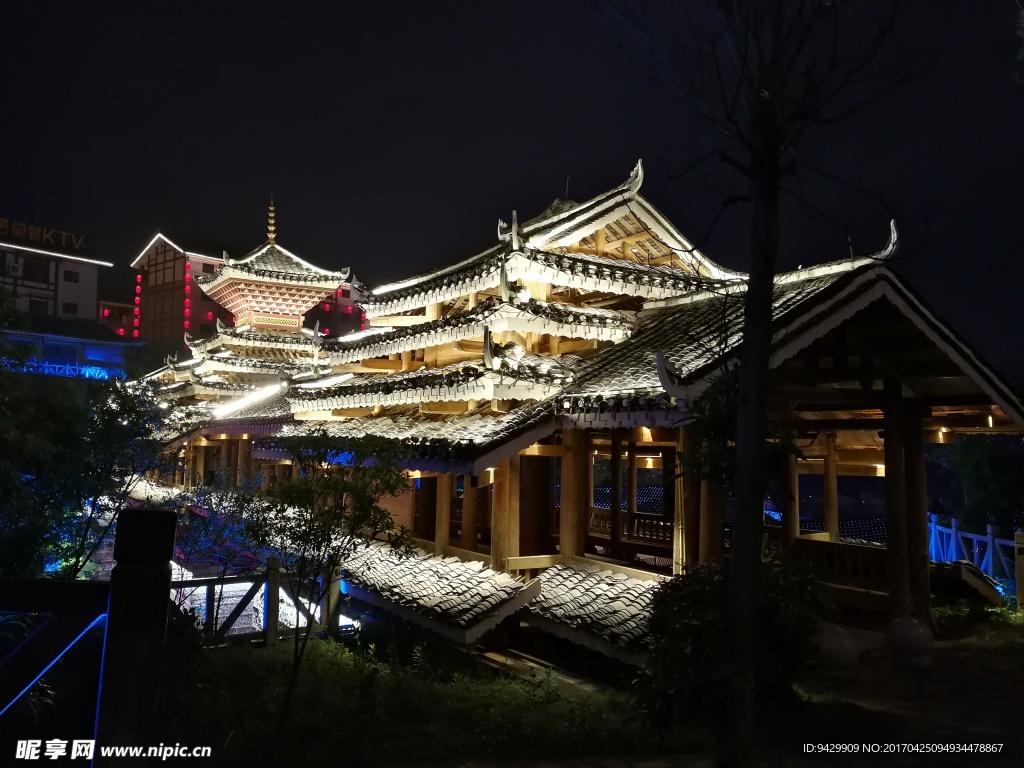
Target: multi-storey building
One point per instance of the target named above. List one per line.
(46, 282)
(542, 389)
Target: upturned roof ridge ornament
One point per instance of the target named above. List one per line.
(271, 221)
(171, 360)
(892, 246)
(492, 353)
(511, 234)
(636, 178)
(221, 328)
(670, 380)
(509, 292)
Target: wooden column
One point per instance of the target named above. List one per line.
(443, 512)
(691, 503)
(535, 511)
(426, 508)
(615, 498)
(240, 462)
(505, 514)
(407, 360)
(572, 519)
(470, 495)
(199, 478)
(630, 489)
(674, 491)
(710, 524)
(917, 511)
(831, 488)
(895, 502)
(791, 501)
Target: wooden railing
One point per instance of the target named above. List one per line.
(852, 565)
(643, 529)
(246, 608)
(993, 557)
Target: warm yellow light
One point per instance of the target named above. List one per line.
(990, 421)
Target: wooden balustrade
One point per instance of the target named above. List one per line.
(853, 565)
(645, 529)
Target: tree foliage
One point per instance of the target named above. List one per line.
(313, 521)
(991, 471)
(71, 451)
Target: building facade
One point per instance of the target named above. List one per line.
(542, 388)
(50, 283)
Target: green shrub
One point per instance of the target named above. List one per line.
(689, 675)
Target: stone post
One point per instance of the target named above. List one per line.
(140, 586)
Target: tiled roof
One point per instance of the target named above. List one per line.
(250, 338)
(453, 591)
(532, 377)
(442, 438)
(272, 262)
(527, 316)
(610, 605)
(690, 334)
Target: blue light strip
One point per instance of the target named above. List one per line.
(101, 619)
(69, 370)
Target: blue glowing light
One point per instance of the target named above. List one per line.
(69, 370)
(99, 620)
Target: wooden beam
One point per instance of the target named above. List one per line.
(543, 450)
(466, 345)
(443, 407)
(398, 321)
(843, 470)
(443, 516)
(352, 413)
(501, 406)
(370, 365)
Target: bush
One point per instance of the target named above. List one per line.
(689, 675)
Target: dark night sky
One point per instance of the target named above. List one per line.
(393, 135)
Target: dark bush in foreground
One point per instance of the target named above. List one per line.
(689, 676)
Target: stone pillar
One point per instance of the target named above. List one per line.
(917, 511)
(443, 512)
(470, 495)
(791, 501)
(831, 488)
(895, 502)
(136, 624)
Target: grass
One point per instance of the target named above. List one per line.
(355, 706)
(970, 620)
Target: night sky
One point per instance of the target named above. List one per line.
(394, 135)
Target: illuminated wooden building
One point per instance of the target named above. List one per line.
(542, 388)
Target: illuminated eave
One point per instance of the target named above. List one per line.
(159, 236)
(54, 254)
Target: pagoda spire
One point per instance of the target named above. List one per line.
(271, 225)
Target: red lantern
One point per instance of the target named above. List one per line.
(188, 265)
(188, 278)
(135, 334)
(327, 331)
(188, 289)
(188, 312)
(138, 300)
(138, 278)
(106, 313)
(188, 302)
(186, 323)
(327, 307)
(135, 322)
(136, 310)
(348, 309)
(138, 289)
(120, 331)
(209, 315)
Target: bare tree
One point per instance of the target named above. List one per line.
(760, 74)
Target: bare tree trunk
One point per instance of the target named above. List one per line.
(751, 421)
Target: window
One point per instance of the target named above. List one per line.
(69, 308)
(70, 276)
(345, 293)
(36, 270)
(38, 307)
(209, 269)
